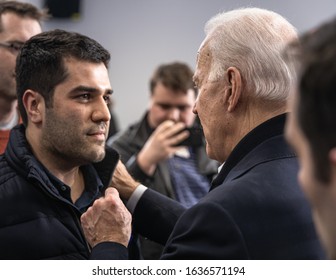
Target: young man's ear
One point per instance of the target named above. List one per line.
(235, 85)
(34, 105)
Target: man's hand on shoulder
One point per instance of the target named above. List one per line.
(123, 181)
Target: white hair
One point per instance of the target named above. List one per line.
(252, 40)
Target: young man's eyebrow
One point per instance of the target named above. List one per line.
(89, 89)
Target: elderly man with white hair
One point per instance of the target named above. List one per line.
(255, 208)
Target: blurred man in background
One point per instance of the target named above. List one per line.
(311, 127)
(18, 22)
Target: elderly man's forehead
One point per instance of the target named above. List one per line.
(203, 54)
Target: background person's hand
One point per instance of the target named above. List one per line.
(161, 145)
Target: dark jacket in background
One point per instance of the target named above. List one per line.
(36, 222)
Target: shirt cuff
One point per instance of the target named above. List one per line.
(135, 197)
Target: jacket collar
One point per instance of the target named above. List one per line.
(265, 131)
(106, 167)
(20, 156)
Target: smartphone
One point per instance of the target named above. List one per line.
(195, 138)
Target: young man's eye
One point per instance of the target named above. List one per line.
(107, 99)
(85, 96)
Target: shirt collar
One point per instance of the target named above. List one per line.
(92, 188)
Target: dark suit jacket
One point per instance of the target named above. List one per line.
(255, 210)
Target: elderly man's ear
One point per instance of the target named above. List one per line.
(233, 91)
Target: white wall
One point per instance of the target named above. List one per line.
(140, 34)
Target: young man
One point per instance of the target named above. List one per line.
(311, 127)
(52, 168)
(18, 22)
(148, 147)
(255, 208)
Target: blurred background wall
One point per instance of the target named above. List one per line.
(140, 34)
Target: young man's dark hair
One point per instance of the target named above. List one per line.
(41, 65)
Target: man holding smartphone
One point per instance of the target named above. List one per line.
(160, 152)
